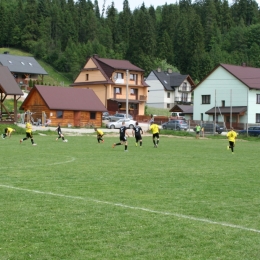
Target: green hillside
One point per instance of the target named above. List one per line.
(53, 78)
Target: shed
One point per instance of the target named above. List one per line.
(66, 106)
(8, 87)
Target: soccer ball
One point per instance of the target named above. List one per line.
(65, 140)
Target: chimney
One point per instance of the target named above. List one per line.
(169, 70)
(243, 64)
(159, 70)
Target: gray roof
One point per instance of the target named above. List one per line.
(227, 110)
(8, 84)
(187, 109)
(170, 80)
(66, 98)
(22, 64)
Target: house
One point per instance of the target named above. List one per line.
(168, 88)
(229, 94)
(66, 106)
(118, 84)
(23, 68)
(8, 88)
(187, 110)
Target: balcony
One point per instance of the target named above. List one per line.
(142, 98)
(184, 89)
(183, 101)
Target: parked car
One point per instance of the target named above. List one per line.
(105, 116)
(209, 128)
(175, 125)
(118, 116)
(129, 123)
(252, 131)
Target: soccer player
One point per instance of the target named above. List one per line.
(28, 133)
(100, 135)
(58, 129)
(8, 132)
(155, 131)
(198, 128)
(122, 136)
(231, 135)
(137, 130)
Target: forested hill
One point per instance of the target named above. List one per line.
(191, 36)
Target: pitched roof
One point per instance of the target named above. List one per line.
(117, 64)
(187, 109)
(8, 84)
(22, 64)
(65, 98)
(227, 110)
(170, 80)
(247, 75)
(108, 66)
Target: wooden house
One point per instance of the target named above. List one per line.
(8, 88)
(66, 106)
(119, 84)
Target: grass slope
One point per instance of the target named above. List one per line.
(53, 78)
(187, 199)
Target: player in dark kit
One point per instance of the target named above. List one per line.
(137, 131)
(58, 129)
(122, 137)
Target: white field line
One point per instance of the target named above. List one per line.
(137, 208)
(71, 159)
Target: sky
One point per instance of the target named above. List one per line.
(137, 3)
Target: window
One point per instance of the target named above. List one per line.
(184, 87)
(168, 94)
(168, 105)
(257, 98)
(132, 91)
(257, 118)
(10, 61)
(59, 114)
(205, 99)
(117, 90)
(119, 75)
(184, 97)
(92, 115)
(86, 77)
(30, 63)
(133, 77)
(22, 62)
(223, 103)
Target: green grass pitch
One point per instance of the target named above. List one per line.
(187, 199)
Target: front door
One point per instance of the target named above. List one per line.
(77, 118)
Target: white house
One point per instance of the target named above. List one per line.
(228, 91)
(168, 88)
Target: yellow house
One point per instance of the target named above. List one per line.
(116, 83)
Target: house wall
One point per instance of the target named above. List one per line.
(253, 107)
(107, 91)
(156, 94)
(221, 86)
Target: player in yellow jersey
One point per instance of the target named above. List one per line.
(231, 135)
(100, 135)
(155, 131)
(8, 132)
(28, 134)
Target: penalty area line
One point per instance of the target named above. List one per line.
(137, 208)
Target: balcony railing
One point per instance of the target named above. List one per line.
(183, 100)
(184, 89)
(143, 98)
